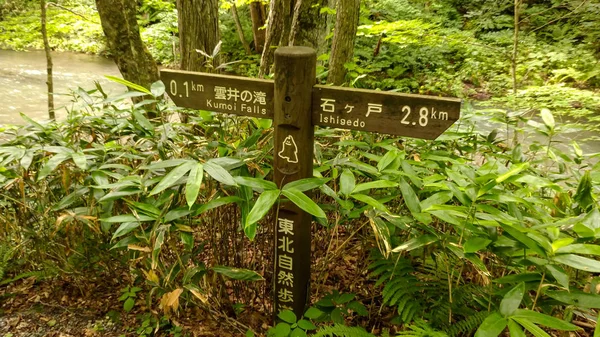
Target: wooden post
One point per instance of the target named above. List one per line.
(295, 75)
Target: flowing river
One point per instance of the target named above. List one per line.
(23, 82)
(23, 90)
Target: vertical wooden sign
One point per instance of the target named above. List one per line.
(295, 75)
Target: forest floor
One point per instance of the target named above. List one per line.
(91, 307)
(59, 309)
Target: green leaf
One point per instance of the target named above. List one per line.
(524, 239)
(128, 218)
(263, 204)
(410, 197)
(143, 121)
(52, 164)
(415, 243)
(125, 228)
(306, 184)
(559, 274)
(579, 262)
(192, 187)
(534, 329)
(217, 203)
(304, 202)
(287, 316)
(298, 332)
(476, 244)
(256, 184)
(172, 177)
(492, 326)
(374, 184)
(387, 160)
(238, 273)
(579, 248)
(128, 305)
(545, 320)
(79, 160)
(164, 164)
(219, 173)
(313, 313)
(512, 299)
(514, 170)
(576, 298)
(157, 88)
(515, 329)
(347, 182)
(370, 201)
(70, 199)
(548, 118)
(306, 325)
(129, 84)
(282, 330)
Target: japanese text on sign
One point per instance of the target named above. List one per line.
(285, 262)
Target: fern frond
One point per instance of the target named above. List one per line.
(467, 326)
(421, 329)
(339, 330)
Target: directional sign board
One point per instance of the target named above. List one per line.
(220, 93)
(406, 115)
(296, 105)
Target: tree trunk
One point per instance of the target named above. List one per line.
(120, 26)
(515, 46)
(49, 80)
(240, 30)
(309, 27)
(258, 21)
(273, 37)
(342, 47)
(198, 29)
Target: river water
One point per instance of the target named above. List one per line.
(23, 89)
(23, 82)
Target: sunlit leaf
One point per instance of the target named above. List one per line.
(492, 326)
(192, 187)
(512, 300)
(304, 202)
(172, 177)
(238, 273)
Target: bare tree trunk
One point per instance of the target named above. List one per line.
(515, 46)
(119, 22)
(514, 63)
(258, 21)
(49, 80)
(309, 26)
(273, 37)
(238, 26)
(198, 29)
(342, 47)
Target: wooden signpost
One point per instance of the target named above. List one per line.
(296, 105)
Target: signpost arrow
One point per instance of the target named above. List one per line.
(296, 105)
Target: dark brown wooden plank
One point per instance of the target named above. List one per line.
(295, 71)
(220, 93)
(416, 116)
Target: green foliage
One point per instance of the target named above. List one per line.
(339, 330)
(66, 30)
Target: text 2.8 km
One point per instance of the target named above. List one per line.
(424, 116)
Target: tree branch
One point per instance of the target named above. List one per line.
(70, 10)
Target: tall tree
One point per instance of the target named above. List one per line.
(198, 30)
(309, 25)
(293, 23)
(273, 37)
(119, 23)
(49, 80)
(257, 13)
(342, 46)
